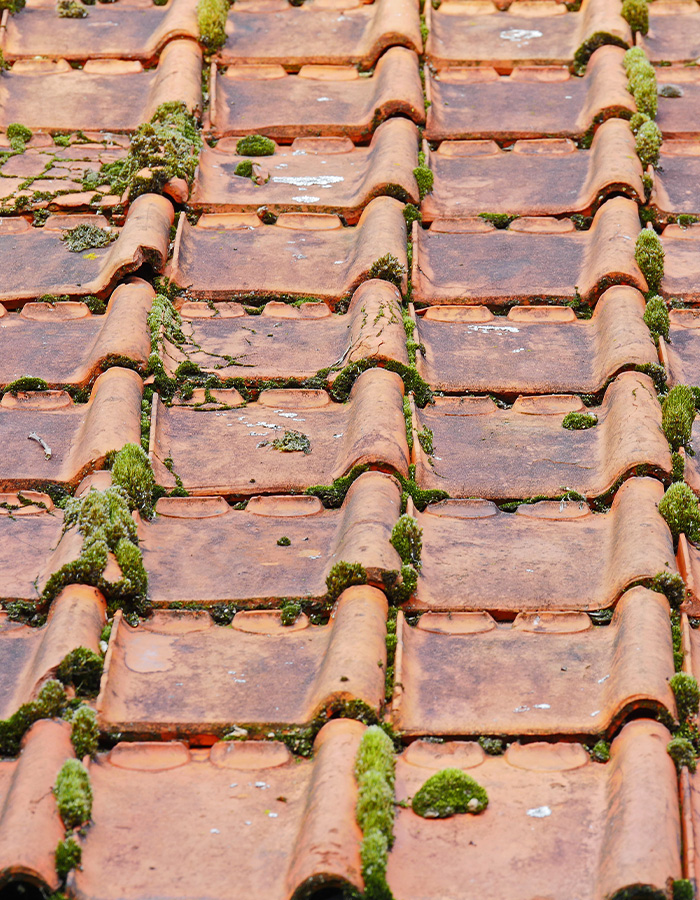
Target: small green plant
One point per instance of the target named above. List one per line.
(641, 81)
(687, 694)
(682, 752)
(87, 237)
(70, 9)
(374, 771)
(411, 214)
(14, 6)
(656, 317)
(292, 441)
(448, 793)
(407, 539)
(601, 752)
(68, 856)
(255, 145)
(576, 421)
(649, 254)
(683, 889)
(677, 416)
(493, 746)
(289, 613)
(211, 16)
(18, 135)
(648, 143)
(48, 705)
(83, 669)
(637, 120)
(671, 585)
(132, 472)
(344, 575)
(84, 732)
(424, 176)
(284, 541)
(73, 794)
(387, 268)
(636, 12)
(244, 168)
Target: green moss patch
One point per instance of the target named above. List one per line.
(73, 794)
(447, 793)
(87, 237)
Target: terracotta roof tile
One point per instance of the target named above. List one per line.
(547, 673)
(692, 464)
(303, 254)
(469, 261)
(548, 177)
(567, 826)
(534, 350)
(549, 555)
(28, 536)
(678, 117)
(689, 567)
(131, 30)
(327, 175)
(536, 34)
(332, 101)
(79, 435)
(674, 32)
(681, 355)
(682, 263)
(108, 95)
(352, 33)
(674, 191)
(531, 454)
(35, 261)
(532, 102)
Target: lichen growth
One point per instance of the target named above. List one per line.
(576, 421)
(679, 507)
(290, 612)
(387, 268)
(687, 693)
(649, 255)
(636, 12)
(48, 705)
(68, 856)
(73, 794)
(447, 793)
(374, 771)
(656, 317)
(682, 752)
(84, 733)
(83, 669)
(677, 416)
(291, 442)
(211, 17)
(255, 145)
(343, 575)
(424, 176)
(87, 237)
(70, 9)
(132, 472)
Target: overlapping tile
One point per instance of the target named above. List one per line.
(534, 259)
(689, 567)
(327, 175)
(549, 555)
(349, 33)
(550, 674)
(105, 95)
(674, 32)
(30, 529)
(542, 34)
(502, 454)
(304, 254)
(131, 30)
(681, 354)
(557, 824)
(547, 177)
(333, 101)
(36, 261)
(531, 102)
(674, 191)
(691, 471)
(234, 452)
(679, 89)
(534, 350)
(681, 277)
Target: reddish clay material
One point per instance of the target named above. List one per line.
(65, 344)
(553, 674)
(325, 175)
(548, 556)
(532, 102)
(131, 30)
(681, 263)
(678, 117)
(681, 355)
(180, 674)
(303, 254)
(541, 34)
(535, 349)
(472, 262)
(30, 825)
(568, 827)
(35, 261)
(285, 824)
(79, 435)
(349, 33)
(28, 534)
(32, 655)
(674, 190)
(547, 177)
(332, 101)
(674, 32)
(689, 566)
(692, 464)
(288, 342)
(105, 95)
(194, 544)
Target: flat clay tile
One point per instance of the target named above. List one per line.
(692, 463)
(30, 529)
(71, 439)
(553, 674)
(36, 261)
(131, 30)
(675, 190)
(542, 34)
(254, 673)
(369, 429)
(547, 177)
(65, 344)
(304, 254)
(470, 261)
(535, 349)
(237, 820)
(105, 95)
(328, 101)
(674, 32)
(682, 262)
(678, 115)
(531, 102)
(557, 824)
(681, 355)
(194, 544)
(548, 555)
(327, 175)
(32, 655)
(288, 342)
(349, 33)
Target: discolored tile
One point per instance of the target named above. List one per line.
(674, 32)
(30, 529)
(674, 190)
(679, 89)
(681, 277)
(689, 567)
(681, 354)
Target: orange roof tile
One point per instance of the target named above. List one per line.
(681, 266)
(28, 535)
(674, 32)
(677, 115)
(680, 355)
(689, 567)
(675, 178)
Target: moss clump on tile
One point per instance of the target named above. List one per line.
(292, 442)
(332, 495)
(576, 421)
(68, 856)
(375, 774)
(387, 268)
(687, 693)
(648, 143)
(671, 585)
(683, 889)
(343, 575)
(391, 643)
(70, 9)
(255, 145)
(73, 794)
(84, 733)
(14, 6)
(679, 507)
(25, 383)
(500, 221)
(493, 746)
(641, 79)
(165, 325)
(407, 540)
(290, 612)
(677, 416)
(413, 383)
(447, 793)
(283, 541)
(637, 120)
(18, 135)
(425, 439)
(656, 372)
(682, 752)
(677, 640)
(244, 169)
(656, 317)
(132, 472)
(677, 466)
(87, 237)
(48, 705)
(83, 669)
(424, 176)
(649, 255)
(411, 214)
(211, 17)
(601, 752)
(636, 13)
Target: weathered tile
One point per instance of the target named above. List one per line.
(534, 350)
(547, 177)
(351, 33)
(681, 277)
(529, 453)
(678, 114)
(674, 32)
(557, 824)
(542, 34)
(29, 532)
(65, 344)
(674, 190)
(691, 472)
(534, 259)
(332, 101)
(681, 354)
(532, 102)
(689, 567)
(71, 439)
(304, 254)
(327, 175)
(203, 443)
(287, 343)
(36, 261)
(105, 95)
(549, 555)
(548, 673)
